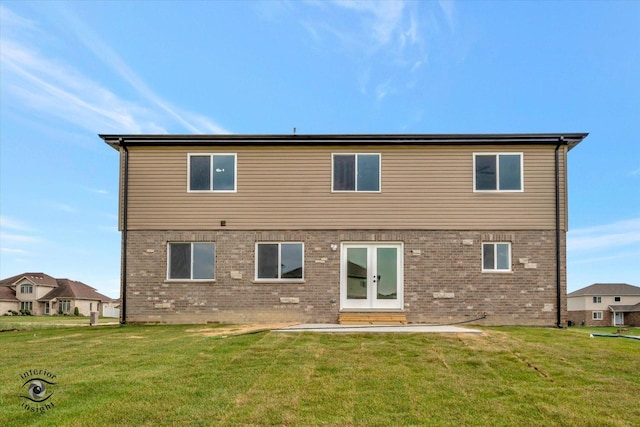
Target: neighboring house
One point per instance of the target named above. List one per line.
(42, 294)
(605, 304)
(304, 228)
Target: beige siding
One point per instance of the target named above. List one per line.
(423, 187)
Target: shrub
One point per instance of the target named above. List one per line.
(25, 312)
(76, 312)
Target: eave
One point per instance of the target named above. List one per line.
(569, 139)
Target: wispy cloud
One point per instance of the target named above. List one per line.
(395, 35)
(635, 172)
(604, 237)
(13, 224)
(51, 87)
(14, 251)
(17, 238)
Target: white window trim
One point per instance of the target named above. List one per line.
(495, 257)
(356, 173)
(521, 154)
(211, 156)
(279, 280)
(597, 315)
(215, 264)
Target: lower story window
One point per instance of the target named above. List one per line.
(496, 257)
(596, 315)
(191, 261)
(26, 305)
(64, 306)
(279, 261)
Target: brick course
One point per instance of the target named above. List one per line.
(443, 282)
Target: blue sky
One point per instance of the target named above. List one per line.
(71, 70)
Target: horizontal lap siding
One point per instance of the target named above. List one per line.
(290, 188)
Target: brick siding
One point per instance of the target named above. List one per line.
(443, 282)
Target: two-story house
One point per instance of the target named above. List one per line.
(605, 304)
(41, 294)
(310, 228)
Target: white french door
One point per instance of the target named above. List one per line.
(371, 276)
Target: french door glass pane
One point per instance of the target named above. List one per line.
(486, 172)
(368, 172)
(357, 273)
(199, 174)
(510, 172)
(268, 261)
(344, 172)
(224, 172)
(180, 260)
(203, 261)
(387, 276)
(291, 260)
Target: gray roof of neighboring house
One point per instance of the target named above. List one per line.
(625, 308)
(7, 294)
(613, 289)
(40, 279)
(74, 290)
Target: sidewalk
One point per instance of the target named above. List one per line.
(411, 328)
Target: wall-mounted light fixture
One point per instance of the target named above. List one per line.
(334, 247)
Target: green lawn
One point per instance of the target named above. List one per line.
(187, 375)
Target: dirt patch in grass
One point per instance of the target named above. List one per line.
(241, 329)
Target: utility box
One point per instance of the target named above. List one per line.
(93, 318)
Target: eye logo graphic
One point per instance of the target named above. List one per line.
(37, 390)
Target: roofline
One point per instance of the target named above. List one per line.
(119, 140)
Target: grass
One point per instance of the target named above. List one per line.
(188, 375)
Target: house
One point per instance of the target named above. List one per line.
(309, 228)
(41, 294)
(605, 304)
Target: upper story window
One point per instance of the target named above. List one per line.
(617, 299)
(191, 261)
(356, 172)
(279, 261)
(497, 172)
(496, 257)
(597, 300)
(212, 172)
(26, 288)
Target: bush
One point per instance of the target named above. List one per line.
(25, 312)
(76, 312)
(13, 312)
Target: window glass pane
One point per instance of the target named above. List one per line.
(486, 172)
(487, 256)
(510, 178)
(368, 172)
(224, 172)
(199, 176)
(291, 260)
(267, 261)
(203, 261)
(180, 260)
(344, 172)
(503, 256)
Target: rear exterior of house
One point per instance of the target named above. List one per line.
(308, 228)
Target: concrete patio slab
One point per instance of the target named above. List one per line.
(411, 328)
